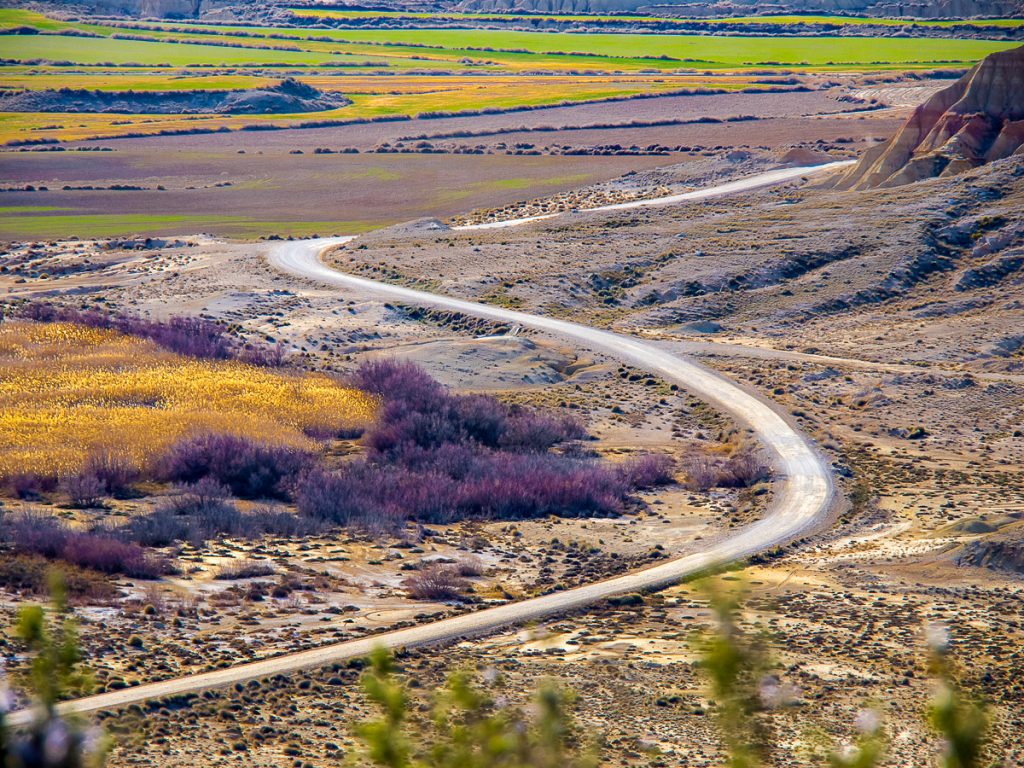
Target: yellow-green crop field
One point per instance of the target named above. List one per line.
(407, 72)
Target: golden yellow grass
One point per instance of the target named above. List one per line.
(67, 391)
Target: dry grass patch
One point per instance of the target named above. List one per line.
(69, 392)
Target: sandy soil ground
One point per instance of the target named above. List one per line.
(929, 451)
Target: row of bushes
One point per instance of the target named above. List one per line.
(438, 457)
(44, 535)
(190, 336)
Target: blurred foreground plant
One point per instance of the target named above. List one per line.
(50, 740)
(468, 728)
(738, 668)
(960, 720)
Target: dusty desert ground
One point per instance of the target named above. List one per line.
(885, 323)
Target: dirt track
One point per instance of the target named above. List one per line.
(803, 497)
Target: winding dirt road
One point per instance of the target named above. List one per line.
(803, 495)
(766, 179)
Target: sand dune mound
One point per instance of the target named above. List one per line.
(977, 120)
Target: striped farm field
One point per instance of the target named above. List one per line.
(790, 19)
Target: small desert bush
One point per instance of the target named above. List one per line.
(105, 474)
(245, 569)
(114, 471)
(436, 581)
(40, 534)
(744, 468)
(470, 566)
(84, 490)
(30, 486)
(648, 471)
(248, 468)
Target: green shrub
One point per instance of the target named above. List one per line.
(467, 728)
(55, 673)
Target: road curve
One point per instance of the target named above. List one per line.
(766, 179)
(804, 492)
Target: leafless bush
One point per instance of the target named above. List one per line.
(701, 472)
(245, 569)
(744, 468)
(436, 581)
(648, 471)
(115, 472)
(84, 489)
(469, 566)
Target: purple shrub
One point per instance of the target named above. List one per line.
(35, 533)
(459, 485)
(188, 517)
(418, 411)
(437, 457)
(115, 472)
(272, 521)
(109, 555)
(190, 336)
(648, 471)
(30, 486)
(159, 528)
(46, 536)
(249, 469)
(401, 382)
(436, 581)
(537, 432)
(84, 490)
(482, 419)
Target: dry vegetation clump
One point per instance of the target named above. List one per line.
(437, 581)
(30, 575)
(437, 457)
(743, 468)
(245, 569)
(72, 394)
(41, 534)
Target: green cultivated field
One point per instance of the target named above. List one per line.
(91, 50)
(408, 72)
(627, 18)
(721, 51)
(495, 49)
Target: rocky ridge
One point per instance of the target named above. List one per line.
(977, 120)
(287, 97)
